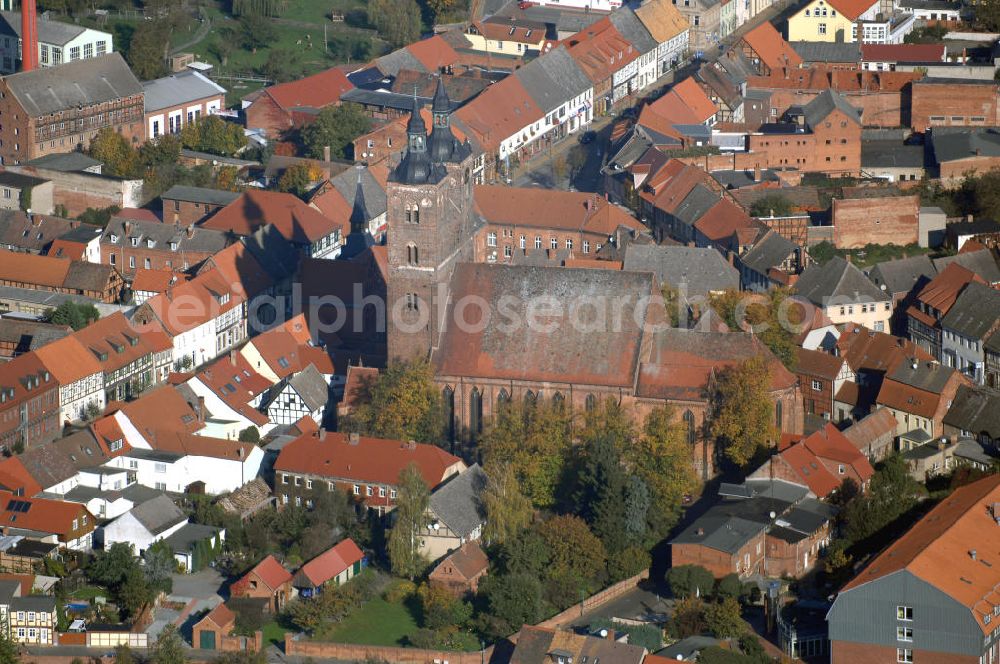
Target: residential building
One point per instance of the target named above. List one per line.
(899, 278)
(335, 566)
(928, 596)
(933, 303)
(79, 375)
(68, 524)
(848, 21)
(975, 414)
(455, 515)
(17, 337)
(302, 394)
(267, 579)
(506, 36)
(24, 192)
(236, 395)
(145, 524)
(540, 645)
(874, 435)
(956, 151)
(705, 20)
(86, 96)
(29, 403)
(280, 107)
(562, 90)
(845, 295)
(58, 42)
(919, 394)
(773, 260)
(82, 243)
(669, 28)
(593, 49)
(147, 283)
(31, 234)
(821, 376)
(980, 262)
(131, 359)
(285, 350)
(367, 468)
(182, 98)
(185, 205)
(767, 50)
(973, 318)
(190, 543)
(695, 272)
(991, 349)
(312, 233)
(214, 629)
(460, 571)
(129, 246)
(60, 275)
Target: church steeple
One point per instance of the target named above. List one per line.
(416, 164)
(443, 146)
(359, 213)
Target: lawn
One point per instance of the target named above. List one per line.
(377, 623)
(88, 593)
(274, 633)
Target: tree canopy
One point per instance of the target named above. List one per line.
(397, 21)
(214, 135)
(742, 412)
(412, 498)
(335, 127)
(774, 205)
(76, 315)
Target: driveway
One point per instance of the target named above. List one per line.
(196, 593)
(646, 603)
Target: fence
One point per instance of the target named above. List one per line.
(595, 601)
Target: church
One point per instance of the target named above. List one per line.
(496, 332)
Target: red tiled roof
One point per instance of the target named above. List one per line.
(115, 339)
(297, 222)
(43, 515)
(469, 559)
(221, 616)
(161, 409)
(502, 110)
(724, 219)
(685, 103)
(329, 564)
(68, 360)
(433, 53)
(601, 50)
(903, 52)
(186, 305)
(546, 208)
(852, 9)
(14, 476)
(181, 442)
(942, 291)
(61, 248)
(936, 550)
(821, 77)
(818, 363)
(369, 460)
(810, 470)
(830, 443)
(771, 48)
(271, 572)
(908, 399)
(314, 91)
(156, 281)
(867, 350)
(236, 383)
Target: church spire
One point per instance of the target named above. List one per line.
(443, 146)
(359, 212)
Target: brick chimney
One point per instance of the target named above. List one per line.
(29, 35)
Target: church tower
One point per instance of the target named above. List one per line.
(430, 229)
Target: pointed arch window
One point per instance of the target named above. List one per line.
(476, 412)
(591, 402)
(558, 400)
(416, 214)
(689, 427)
(530, 399)
(777, 415)
(503, 399)
(448, 396)
(412, 254)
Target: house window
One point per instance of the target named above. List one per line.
(102, 47)
(523, 242)
(840, 469)
(904, 655)
(74, 53)
(381, 492)
(553, 243)
(392, 494)
(904, 633)
(331, 486)
(491, 239)
(817, 385)
(76, 524)
(586, 246)
(284, 478)
(357, 490)
(697, 19)
(538, 242)
(369, 491)
(88, 50)
(569, 243)
(309, 483)
(298, 481)
(508, 251)
(822, 28)
(147, 263)
(904, 613)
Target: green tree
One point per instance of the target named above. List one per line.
(9, 653)
(257, 32)
(335, 127)
(628, 562)
(214, 135)
(148, 50)
(511, 602)
(250, 435)
(412, 498)
(729, 586)
(397, 21)
(690, 581)
(891, 494)
(108, 567)
(508, 511)
(535, 441)
(297, 179)
(402, 404)
(724, 619)
(742, 412)
(158, 564)
(77, 316)
(774, 205)
(688, 619)
(601, 479)
(115, 152)
(168, 649)
(574, 550)
(134, 592)
(439, 608)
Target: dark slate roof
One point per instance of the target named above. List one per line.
(346, 184)
(19, 181)
(204, 240)
(87, 276)
(687, 649)
(904, 274)
(180, 192)
(720, 532)
(86, 82)
(401, 58)
(736, 179)
(703, 270)
(769, 252)
(828, 51)
(980, 262)
(954, 143)
(835, 282)
(67, 162)
(457, 503)
(28, 334)
(37, 603)
(551, 81)
(60, 460)
(311, 386)
(891, 154)
(974, 313)
(158, 514)
(629, 25)
(825, 103)
(694, 206)
(927, 376)
(49, 32)
(975, 409)
(35, 234)
(184, 539)
(563, 68)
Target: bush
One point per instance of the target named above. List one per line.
(627, 563)
(690, 581)
(649, 637)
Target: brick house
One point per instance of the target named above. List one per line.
(919, 395)
(820, 377)
(824, 138)
(767, 51)
(83, 97)
(60, 275)
(267, 580)
(190, 205)
(366, 468)
(180, 99)
(459, 573)
(207, 633)
(940, 102)
(130, 359)
(274, 110)
(29, 403)
(874, 216)
(874, 435)
(337, 565)
(128, 246)
(933, 303)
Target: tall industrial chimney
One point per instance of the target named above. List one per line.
(29, 35)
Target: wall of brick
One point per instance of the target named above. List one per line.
(186, 212)
(843, 652)
(358, 653)
(79, 191)
(889, 108)
(594, 601)
(859, 221)
(953, 172)
(834, 147)
(970, 104)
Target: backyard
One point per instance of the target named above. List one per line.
(377, 623)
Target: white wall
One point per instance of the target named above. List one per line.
(127, 528)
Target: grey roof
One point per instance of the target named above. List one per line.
(629, 25)
(29, 335)
(386, 98)
(927, 376)
(67, 162)
(180, 192)
(825, 103)
(202, 240)
(49, 32)
(904, 274)
(181, 88)
(37, 603)
(83, 233)
(891, 154)
(88, 276)
(719, 532)
(687, 649)
(553, 79)
(19, 181)
(158, 514)
(837, 282)
(310, 385)
(184, 539)
(10, 589)
(703, 270)
(980, 262)
(735, 179)
(694, 206)
(975, 409)
(401, 58)
(82, 82)
(457, 502)
(954, 143)
(346, 184)
(738, 67)
(769, 252)
(970, 449)
(975, 312)
(828, 51)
